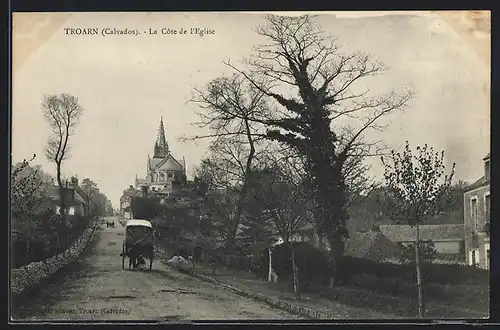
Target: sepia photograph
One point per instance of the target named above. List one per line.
(190, 166)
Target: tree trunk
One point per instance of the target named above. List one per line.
(295, 273)
(419, 275)
(62, 204)
(243, 191)
(336, 255)
(28, 241)
(321, 243)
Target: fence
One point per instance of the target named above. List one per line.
(47, 241)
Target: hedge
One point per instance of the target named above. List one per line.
(433, 273)
(449, 293)
(313, 268)
(44, 243)
(29, 277)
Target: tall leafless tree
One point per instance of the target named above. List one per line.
(227, 106)
(325, 94)
(62, 112)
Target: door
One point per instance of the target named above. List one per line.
(487, 255)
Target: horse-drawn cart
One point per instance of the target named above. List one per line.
(138, 244)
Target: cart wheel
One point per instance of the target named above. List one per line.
(123, 256)
(151, 263)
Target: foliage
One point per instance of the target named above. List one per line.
(369, 209)
(100, 204)
(427, 252)
(28, 191)
(298, 54)
(432, 272)
(397, 287)
(416, 183)
(280, 202)
(417, 187)
(62, 112)
(312, 263)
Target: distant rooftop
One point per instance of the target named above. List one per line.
(405, 233)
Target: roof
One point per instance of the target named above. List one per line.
(138, 222)
(156, 162)
(370, 245)
(404, 233)
(82, 193)
(481, 182)
(53, 194)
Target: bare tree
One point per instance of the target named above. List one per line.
(62, 112)
(301, 57)
(228, 105)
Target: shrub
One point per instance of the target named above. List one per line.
(312, 263)
(260, 263)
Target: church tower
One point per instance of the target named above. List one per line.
(161, 146)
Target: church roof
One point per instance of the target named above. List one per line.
(160, 162)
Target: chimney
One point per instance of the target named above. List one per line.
(487, 167)
(144, 191)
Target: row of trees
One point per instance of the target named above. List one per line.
(288, 144)
(100, 204)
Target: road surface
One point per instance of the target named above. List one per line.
(98, 289)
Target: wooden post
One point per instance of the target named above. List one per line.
(419, 275)
(270, 272)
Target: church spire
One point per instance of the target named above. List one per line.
(161, 146)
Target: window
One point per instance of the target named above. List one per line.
(473, 209)
(488, 259)
(472, 258)
(487, 207)
(170, 174)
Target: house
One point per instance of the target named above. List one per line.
(448, 239)
(477, 219)
(372, 245)
(75, 199)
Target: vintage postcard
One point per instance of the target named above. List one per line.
(250, 165)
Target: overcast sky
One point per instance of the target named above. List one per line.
(125, 83)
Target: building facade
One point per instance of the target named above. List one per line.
(165, 174)
(477, 219)
(76, 201)
(448, 240)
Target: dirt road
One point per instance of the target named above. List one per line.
(98, 289)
